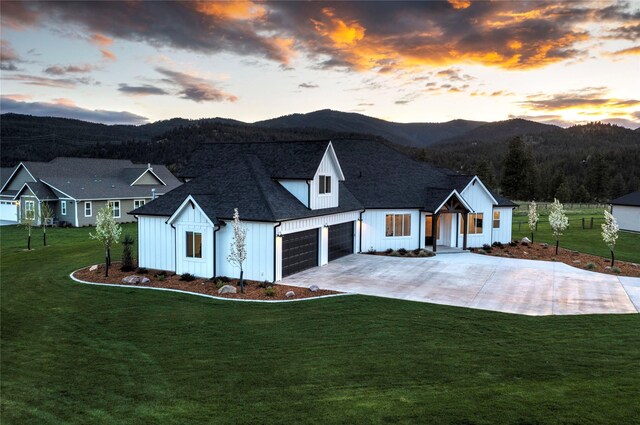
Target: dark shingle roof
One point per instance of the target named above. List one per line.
(41, 190)
(92, 178)
(5, 173)
(630, 199)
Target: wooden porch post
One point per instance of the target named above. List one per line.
(434, 233)
(465, 218)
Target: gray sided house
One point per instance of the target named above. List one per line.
(76, 188)
(306, 204)
(626, 210)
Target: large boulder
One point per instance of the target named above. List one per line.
(131, 280)
(145, 280)
(313, 288)
(525, 240)
(227, 289)
(290, 294)
(93, 268)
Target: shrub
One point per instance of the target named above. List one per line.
(402, 251)
(224, 279)
(127, 255)
(591, 266)
(265, 284)
(371, 251)
(487, 247)
(270, 291)
(187, 277)
(388, 251)
(513, 243)
(416, 251)
(616, 269)
(161, 277)
(497, 245)
(142, 270)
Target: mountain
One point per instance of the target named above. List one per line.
(501, 130)
(410, 134)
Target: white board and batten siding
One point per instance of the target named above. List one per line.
(317, 222)
(503, 233)
(156, 241)
(298, 188)
(481, 202)
(260, 245)
(374, 226)
(194, 220)
(628, 217)
(328, 167)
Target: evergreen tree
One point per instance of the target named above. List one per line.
(518, 171)
(563, 193)
(582, 195)
(617, 187)
(597, 178)
(484, 170)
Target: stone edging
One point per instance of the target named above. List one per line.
(71, 275)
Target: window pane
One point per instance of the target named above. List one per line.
(496, 219)
(407, 225)
(479, 223)
(328, 184)
(389, 221)
(321, 184)
(190, 244)
(198, 245)
(397, 228)
(428, 227)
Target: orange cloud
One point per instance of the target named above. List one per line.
(101, 40)
(107, 54)
(18, 97)
(64, 101)
(233, 10)
(635, 50)
(340, 32)
(460, 4)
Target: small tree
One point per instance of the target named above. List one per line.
(238, 249)
(108, 232)
(28, 221)
(610, 233)
(127, 254)
(46, 214)
(558, 221)
(533, 217)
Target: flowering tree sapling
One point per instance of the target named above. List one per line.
(46, 214)
(558, 221)
(28, 220)
(533, 217)
(238, 250)
(108, 232)
(610, 232)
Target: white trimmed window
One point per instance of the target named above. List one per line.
(398, 225)
(30, 209)
(115, 208)
(476, 222)
(324, 185)
(137, 203)
(63, 207)
(88, 209)
(496, 219)
(194, 245)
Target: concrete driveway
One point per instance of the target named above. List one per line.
(528, 287)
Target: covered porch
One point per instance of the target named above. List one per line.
(443, 224)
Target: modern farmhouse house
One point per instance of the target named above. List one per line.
(76, 188)
(308, 203)
(626, 210)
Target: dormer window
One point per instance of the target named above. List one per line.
(325, 185)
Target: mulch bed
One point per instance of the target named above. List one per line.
(201, 286)
(537, 251)
(409, 253)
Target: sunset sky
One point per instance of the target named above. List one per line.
(136, 62)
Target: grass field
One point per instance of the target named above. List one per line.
(79, 354)
(579, 239)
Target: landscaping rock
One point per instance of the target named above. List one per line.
(608, 268)
(313, 288)
(145, 280)
(227, 289)
(290, 294)
(131, 280)
(525, 240)
(93, 268)
(545, 245)
(576, 261)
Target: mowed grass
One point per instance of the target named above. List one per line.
(579, 239)
(73, 353)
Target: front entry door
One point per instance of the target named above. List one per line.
(428, 228)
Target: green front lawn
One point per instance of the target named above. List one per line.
(579, 239)
(73, 353)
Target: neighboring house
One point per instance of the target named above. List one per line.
(626, 210)
(8, 207)
(308, 203)
(76, 188)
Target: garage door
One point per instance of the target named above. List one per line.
(8, 211)
(340, 240)
(299, 251)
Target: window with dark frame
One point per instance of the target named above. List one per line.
(194, 245)
(476, 223)
(398, 225)
(324, 185)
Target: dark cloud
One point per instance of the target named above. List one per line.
(631, 32)
(308, 86)
(70, 111)
(589, 97)
(143, 90)
(365, 104)
(636, 115)
(8, 57)
(195, 88)
(69, 69)
(34, 80)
